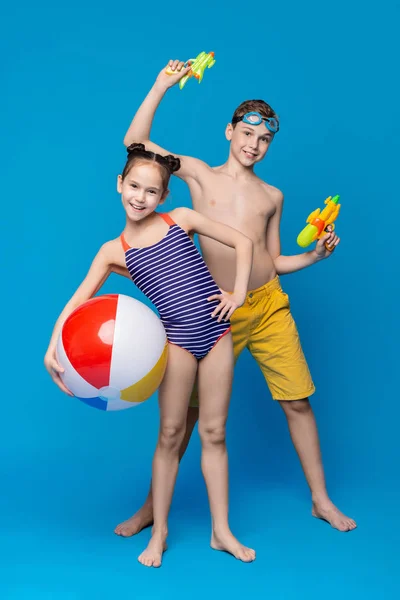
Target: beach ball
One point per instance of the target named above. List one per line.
(114, 352)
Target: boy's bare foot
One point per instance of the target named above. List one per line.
(226, 542)
(140, 520)
(328, 512)
(152, 556)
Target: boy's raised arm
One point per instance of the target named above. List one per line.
(140, 128)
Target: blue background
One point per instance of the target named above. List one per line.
(72, 76)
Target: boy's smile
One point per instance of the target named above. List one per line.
(249, 154)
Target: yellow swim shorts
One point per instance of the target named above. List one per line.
(266, 327)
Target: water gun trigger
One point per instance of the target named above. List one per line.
(330, 224)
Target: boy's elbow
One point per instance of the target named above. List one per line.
(128, 140)
(135, 139)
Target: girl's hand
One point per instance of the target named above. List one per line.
(178, 71)
(51, 364)
(228, 303)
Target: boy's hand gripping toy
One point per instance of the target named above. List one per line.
(197, 67)
(318, 222)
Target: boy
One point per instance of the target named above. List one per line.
(234, 195)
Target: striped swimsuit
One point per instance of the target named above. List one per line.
(175, 278)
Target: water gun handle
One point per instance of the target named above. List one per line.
(185, 79)
(327, 246)
(189, 62)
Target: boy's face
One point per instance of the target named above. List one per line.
(249, 143)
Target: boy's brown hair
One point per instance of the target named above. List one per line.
(259, 106)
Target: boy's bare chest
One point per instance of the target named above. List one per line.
(244, 207)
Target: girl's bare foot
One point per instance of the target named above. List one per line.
(152, 556)
(140, 520)
(328, 512)
(226, 542)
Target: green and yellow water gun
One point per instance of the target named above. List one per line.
(197, 67)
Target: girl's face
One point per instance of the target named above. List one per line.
(142, 190)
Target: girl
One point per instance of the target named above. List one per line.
(157, 252)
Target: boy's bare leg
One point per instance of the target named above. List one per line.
(144, 516)
(304, 434)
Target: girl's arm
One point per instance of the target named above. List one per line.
(105, 262)
(194, 221)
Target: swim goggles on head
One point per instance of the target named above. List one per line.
(254, 118)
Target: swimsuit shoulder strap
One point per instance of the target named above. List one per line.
(124, 243)
(167, 218)
(164, 216)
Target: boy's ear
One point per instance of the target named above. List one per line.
(119, 184)
(229, 131)
(164, 196)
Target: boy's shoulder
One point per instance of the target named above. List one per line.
(272, 193)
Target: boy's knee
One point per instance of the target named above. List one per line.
(171, 435)
(296, 407)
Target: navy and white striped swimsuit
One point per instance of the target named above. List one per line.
(175, 278)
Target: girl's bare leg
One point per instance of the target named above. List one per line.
(144, 516)
(215, 380)
(174, 395)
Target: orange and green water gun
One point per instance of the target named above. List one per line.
(318, 222)
(197, 67)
